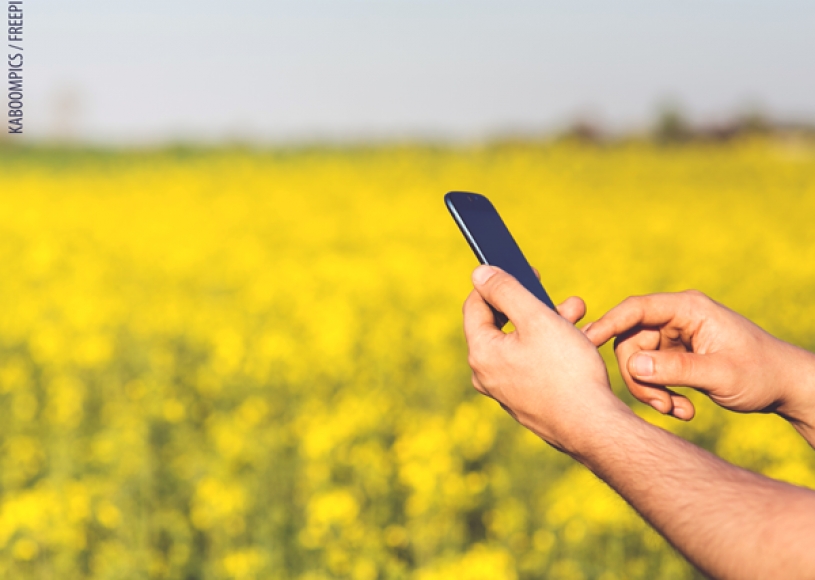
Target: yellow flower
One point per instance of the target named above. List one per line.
(259, 354)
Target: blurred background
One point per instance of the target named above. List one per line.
(230, 340)
(282, 71)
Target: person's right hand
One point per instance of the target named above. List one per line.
(687, 339)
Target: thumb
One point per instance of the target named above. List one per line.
(685, 369)
(506, 294)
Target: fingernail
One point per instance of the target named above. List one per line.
(681, 413)
(482, 274)
(659, 405)
(643, 365)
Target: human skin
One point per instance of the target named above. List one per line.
(729, 522)
(690, 340)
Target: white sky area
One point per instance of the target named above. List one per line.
(111, 71)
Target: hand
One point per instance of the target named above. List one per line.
(546, 373)
(688, 339)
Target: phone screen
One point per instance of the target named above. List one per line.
(491, 241)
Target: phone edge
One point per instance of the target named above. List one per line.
(500, 319)
(463, 227)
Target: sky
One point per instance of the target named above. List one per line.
(110, 71)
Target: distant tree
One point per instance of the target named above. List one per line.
(755, 122)
(584, 130)
(672, 125)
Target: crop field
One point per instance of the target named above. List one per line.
(249, 364)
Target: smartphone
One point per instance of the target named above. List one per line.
(492, 243)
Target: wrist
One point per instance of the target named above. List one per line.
(604, 437)
(797, 402)
(586, 428)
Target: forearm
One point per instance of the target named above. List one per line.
(729, 522)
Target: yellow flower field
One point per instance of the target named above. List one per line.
(236, 364)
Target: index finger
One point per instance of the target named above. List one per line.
(479, 320)
(650, 310)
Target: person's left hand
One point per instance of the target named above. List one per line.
(546, 373)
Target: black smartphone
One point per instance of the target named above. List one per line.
(492, 243)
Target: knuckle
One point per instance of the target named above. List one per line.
(682, 368)
(476, 383)
(633, 306)
(696, 296)
(479, 386)
(474, 361)
(632, 302)
(483, 357)
(500, 284)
